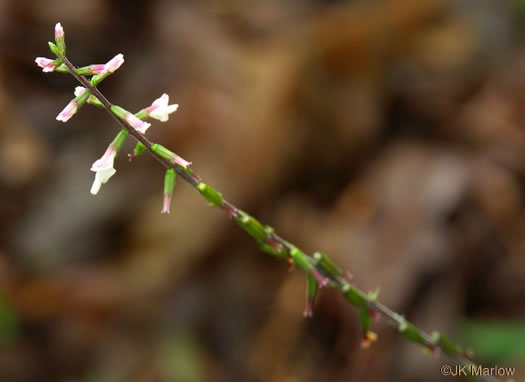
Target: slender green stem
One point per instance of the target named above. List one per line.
(268, 239)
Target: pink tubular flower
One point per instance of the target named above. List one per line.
(136, 123)
(178, 160)
(160, 109)
(103, 168)
(68, 111)
(46, 64)
(113, 64)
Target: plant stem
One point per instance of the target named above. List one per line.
(339, 282)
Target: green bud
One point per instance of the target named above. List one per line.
(53, 48)
(353, 296)
(411, 333)
(446, 344)
(300, 259)
(327, 264)
(213, 196)
(252, 227)
(268, 249)
(311, 286)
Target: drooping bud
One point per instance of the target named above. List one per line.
(73, 106)
(133, 121)
(59, 39)
(169, 185)
(103, 167)
(138, 151)
(163, 152)
(311, 293)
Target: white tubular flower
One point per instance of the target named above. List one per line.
(160, 109)
(46, 64)
(103, 168)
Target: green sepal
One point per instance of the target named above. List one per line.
(139, 149)
(353, 296)
(446, 344)
(312, 286)
(365, 319)
(142, 115)
(328, 265)
(169, 181)
(53, 48)
(252, 227)
(213, 196)
(119, 111)
(300, 259)
(268, 249)
(411, 333)
(81, 99)
(92, 100)
(119, 140)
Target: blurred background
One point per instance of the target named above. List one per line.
(389, 134)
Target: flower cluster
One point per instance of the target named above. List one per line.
(160, 109)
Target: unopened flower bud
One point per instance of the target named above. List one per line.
(46, 64)
(59, 39)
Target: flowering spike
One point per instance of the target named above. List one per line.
(160, 109)
(59, 39)
(103, 167)
(311, 293)
(169, 185)
(46, 64)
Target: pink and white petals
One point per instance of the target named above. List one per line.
(69, 111)
(136, 123)
(160, 109)
(166, 204)
(46, 64)
(178, 160)
(112, 65)
(104, 169)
